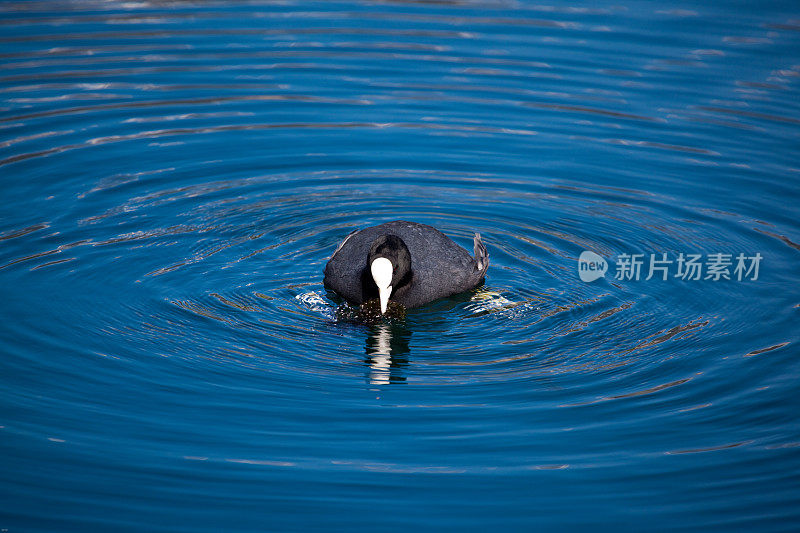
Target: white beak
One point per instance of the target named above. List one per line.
(383, 294)
(381, 269)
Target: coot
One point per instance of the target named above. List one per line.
(409, 263)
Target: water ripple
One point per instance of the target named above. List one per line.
(178, 173)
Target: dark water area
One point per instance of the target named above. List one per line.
(175, 175)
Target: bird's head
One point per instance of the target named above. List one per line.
(389, 263)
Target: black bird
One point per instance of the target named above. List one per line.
(411, 264)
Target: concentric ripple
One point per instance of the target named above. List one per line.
(175, 176)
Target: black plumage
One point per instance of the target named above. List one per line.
(427, 265)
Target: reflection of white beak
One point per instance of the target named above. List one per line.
(381, 269)
(381, 356)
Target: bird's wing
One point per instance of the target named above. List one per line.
(341, 244)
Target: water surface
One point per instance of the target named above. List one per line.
(176, 174)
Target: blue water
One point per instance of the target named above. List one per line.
(176, 174)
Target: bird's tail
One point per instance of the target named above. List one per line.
(481, 255)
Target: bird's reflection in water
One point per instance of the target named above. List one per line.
(387, 353)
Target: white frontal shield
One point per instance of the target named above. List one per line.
(381, 269)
